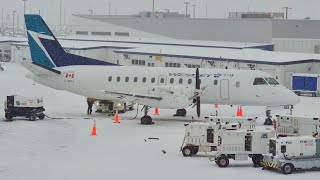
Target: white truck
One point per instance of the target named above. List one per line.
(203, 136)
(289, 154)
(111, 106)
(289, 125)
(242, 144)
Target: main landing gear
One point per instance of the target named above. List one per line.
(181, 113)
(146, 120)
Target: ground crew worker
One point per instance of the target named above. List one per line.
(90, 102)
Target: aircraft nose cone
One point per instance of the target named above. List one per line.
(293, 98)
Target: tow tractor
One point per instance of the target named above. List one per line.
(110, 107)
(289, 154)
(28, 107)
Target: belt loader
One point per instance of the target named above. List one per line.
(289, 154)
(203, 136)
(242, 144)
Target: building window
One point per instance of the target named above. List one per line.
(127, 79)
(144, 79)
(237, 84)
(135, 79)
(189, 81)
(110, 78)
(118, 78)
(171, 80)
(215, 82)
(82, 32)
(121, 34)
(180, 81)
(153, 80)
(166, 64)
(101, 33)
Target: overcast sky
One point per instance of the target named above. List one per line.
(216, 8)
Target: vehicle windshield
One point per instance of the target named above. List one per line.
(259, 81)
(272, 147)
(271, 81)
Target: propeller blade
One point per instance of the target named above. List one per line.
(198, 106)
(197, 79)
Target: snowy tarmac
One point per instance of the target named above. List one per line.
(54, 149)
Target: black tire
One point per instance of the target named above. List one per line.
(32, 117)
(8, 116)
(222, 161)
(187, 151)
(257, 160)
(287, 168)
(146, 120)
(41, 116)
(195, 150)
(184, 112)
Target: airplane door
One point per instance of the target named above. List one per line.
(224, 89)
(162, 80)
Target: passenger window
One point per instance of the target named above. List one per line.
(162, 80)
(189, 81)
(237, 84)
(215, 82)
(135, 79)
(153, 80)
(127, 79)
(259, 81)
(144, 79)
(118, 78)
(110, 78)
(180, 81)
(171, 80)
(271, 81)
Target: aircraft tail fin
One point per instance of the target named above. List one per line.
(47, 51)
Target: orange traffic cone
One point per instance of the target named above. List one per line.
(156, 111)
(116, 117)
(94, 129)
(241, 113)
(238, 111)
(216, 106)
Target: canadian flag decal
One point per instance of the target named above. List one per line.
(70, 75)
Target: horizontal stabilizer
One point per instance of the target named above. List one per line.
(40, 70)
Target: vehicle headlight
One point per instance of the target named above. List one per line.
(119, 104)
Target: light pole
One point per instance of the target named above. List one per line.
(13, 23)
(287, 9)
(24, 12)
(186, 3)
(194, 11)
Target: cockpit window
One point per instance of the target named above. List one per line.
(259, 81)
(271, 81)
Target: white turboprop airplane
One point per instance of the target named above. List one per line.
(168, 88)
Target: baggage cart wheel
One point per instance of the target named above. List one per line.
(287, 168)
(187, 151)
(8, 116)
(222, 161)
(41, 116)
(32, 117)
(257, 160)
(195, 150)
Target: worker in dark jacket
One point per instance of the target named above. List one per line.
(90, 102)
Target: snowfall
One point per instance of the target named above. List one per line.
(62, 148)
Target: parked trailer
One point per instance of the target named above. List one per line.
(203, 136)
(242, 144)
(289, 154)
(290, 125)
(305, 84)
(28, 107)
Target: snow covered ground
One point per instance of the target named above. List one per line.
(63, 148)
